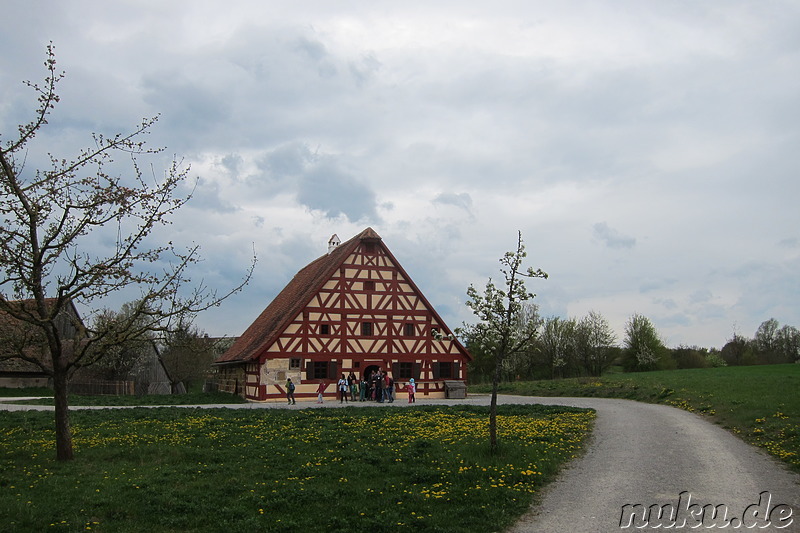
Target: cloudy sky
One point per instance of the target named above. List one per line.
(648, 151)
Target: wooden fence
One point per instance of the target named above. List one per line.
(101, 388)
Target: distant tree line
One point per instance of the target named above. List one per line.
(587, 346)
(771, 344)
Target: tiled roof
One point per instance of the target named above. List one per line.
(14, 331)
(290, 301)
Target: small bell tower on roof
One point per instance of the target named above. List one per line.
(333, 243)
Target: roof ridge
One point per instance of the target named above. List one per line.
(290, 300)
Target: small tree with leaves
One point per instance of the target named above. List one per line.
(556, 344)
(134, 343)
(643, 345)
(187, 355)
(500, 330)
(50, 219)
(788, 340)
(774, 344)
(738, 350)
(595, 343)
(766, 337)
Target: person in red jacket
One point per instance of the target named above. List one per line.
(389, 387)
(320, 390)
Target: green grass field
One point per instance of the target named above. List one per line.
(759, 403)
(420, 469)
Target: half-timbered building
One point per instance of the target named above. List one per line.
(352, 310)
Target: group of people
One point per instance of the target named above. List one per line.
(377, 386)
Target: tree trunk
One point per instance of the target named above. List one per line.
(63, 430)
(493, 409)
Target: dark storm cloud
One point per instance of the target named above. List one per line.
(333, 192)
(289, 160)
(193, 110)
(317, 181)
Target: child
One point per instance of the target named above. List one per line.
(320, 390)
(412, 390)
(290, 391)
(342, 386)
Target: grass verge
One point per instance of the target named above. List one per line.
(761, 404)
(420, 469)
(191, 398)
(10, 392)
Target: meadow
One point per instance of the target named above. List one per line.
(422, 469)
(761, 403)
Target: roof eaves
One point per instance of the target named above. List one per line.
(289, 302)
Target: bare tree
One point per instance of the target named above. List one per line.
(500, 330)
(47, 217)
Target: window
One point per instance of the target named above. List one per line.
(445, 370)
(369, 247)
(405, 370)
(409, 329)
(369, 285)
(295, 363)
(320, 370)
(366, 328)
(324, 329)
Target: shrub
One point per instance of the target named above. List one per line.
(690, 357)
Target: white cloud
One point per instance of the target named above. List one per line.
(646, 150)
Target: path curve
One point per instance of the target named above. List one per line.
(648, 454)
(639, 453)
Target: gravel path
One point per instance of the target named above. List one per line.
(648, 454)
(641, 454)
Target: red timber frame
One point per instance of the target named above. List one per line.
(369, 287)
